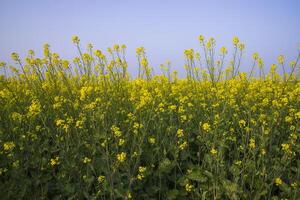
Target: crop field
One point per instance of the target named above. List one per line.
(86, 129)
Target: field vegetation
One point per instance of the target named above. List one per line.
(85, 129)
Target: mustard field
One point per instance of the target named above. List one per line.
(85, 129)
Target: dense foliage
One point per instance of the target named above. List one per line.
(86, 130)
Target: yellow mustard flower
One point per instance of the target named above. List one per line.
(75, 39)
(242, 123)
(201, 38)
(280, 59)
(235, 41)
(101, 179)
(116, 131)
(121, 142)
(278, 181)
(294, 185)
(189, 187)
(213, 151)
(54, 161)
(206, 127)
(180, 133)
(86, 160)
(151, 140)
(183, 145)
(8, 146)
(121, 157)
(252, 143)
(285, 147)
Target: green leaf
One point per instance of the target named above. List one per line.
(208, 174)
(172, 194)
(285, 188)
(165, 165)
(203, 196)
(197, 175)
(260, 194)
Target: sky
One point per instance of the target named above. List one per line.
(164, 27)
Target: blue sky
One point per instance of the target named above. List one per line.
(164, 28)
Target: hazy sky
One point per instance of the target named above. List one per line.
(165, 28)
